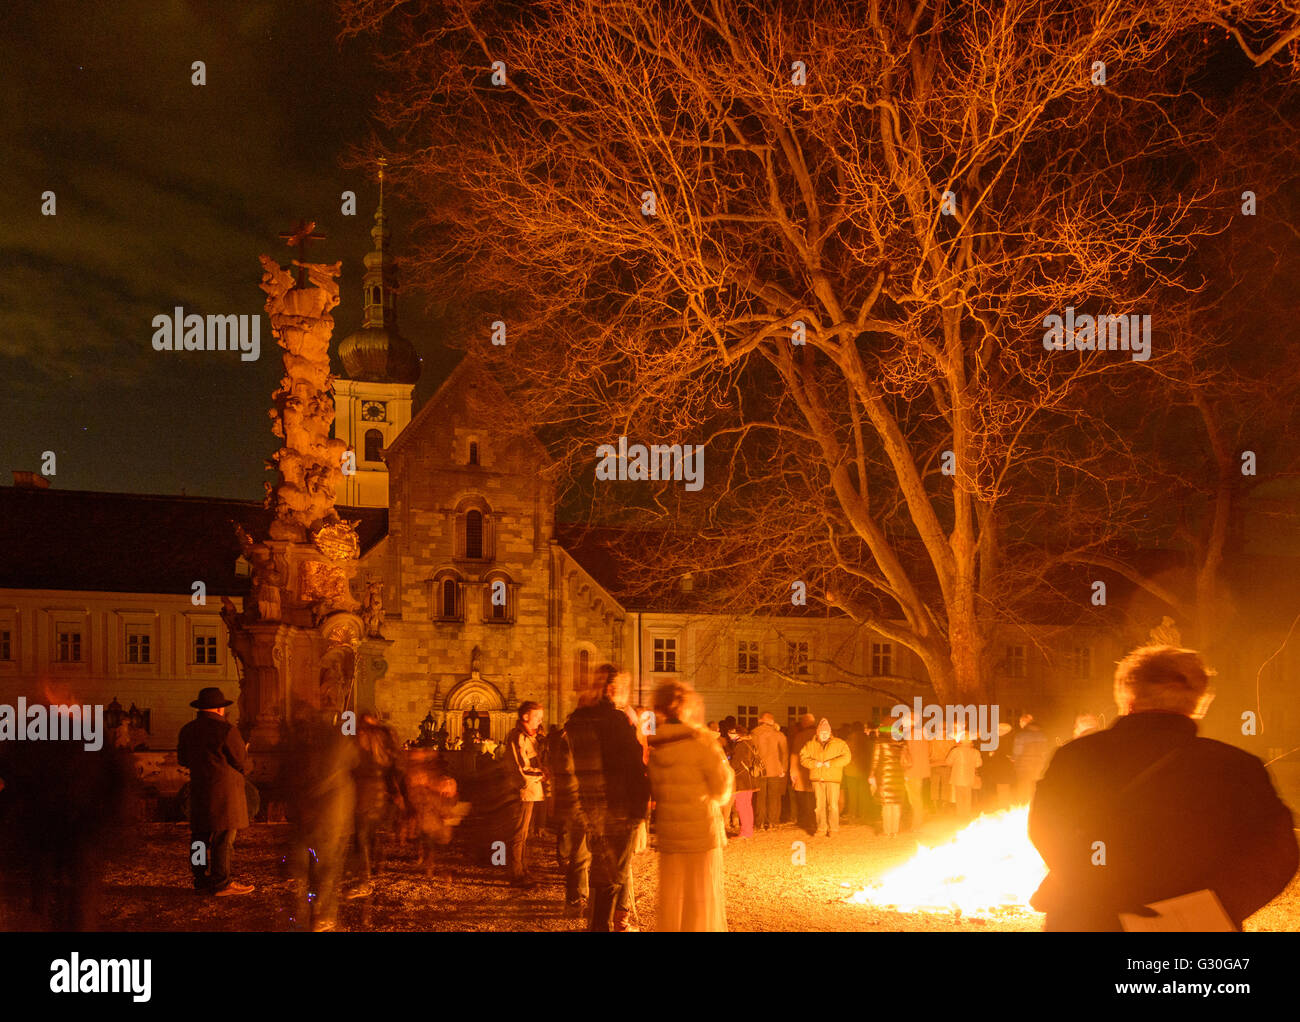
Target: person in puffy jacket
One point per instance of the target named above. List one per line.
(824, 757)
(691, 783)
(887, 778)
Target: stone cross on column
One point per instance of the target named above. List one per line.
(297, 237)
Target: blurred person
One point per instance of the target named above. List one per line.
(432, 810)
(571, 849)
(887, 779)
(322, 809)
(691, 782)
(964, 760)
(1085, 724)
(1178, 814)
(916, 767)
(856, 794)
(774, 751)
(216, 756)
(940, 772)
(824, 757)
(1029, 752)
(998, 772)
(64, 810)
(746, 765)
(598, 763)
(524, 767)
(378, 778)
(803, 805)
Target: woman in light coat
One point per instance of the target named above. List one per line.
(690, 782)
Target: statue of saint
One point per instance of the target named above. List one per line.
(472, 718)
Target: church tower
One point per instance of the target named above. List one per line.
(373, 399)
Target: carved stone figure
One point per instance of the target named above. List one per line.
(310, 462)
(1165, 634)
(372, 613)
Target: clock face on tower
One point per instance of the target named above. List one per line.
(374, 411)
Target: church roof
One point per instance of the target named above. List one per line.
(135, 543)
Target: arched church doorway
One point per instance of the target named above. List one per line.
(476, 703)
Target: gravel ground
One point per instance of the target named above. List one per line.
(765, 890)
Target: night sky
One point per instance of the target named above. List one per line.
(166, 194)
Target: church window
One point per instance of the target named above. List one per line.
(6, 645)
(581, 670)
(498, 599)
(374, 445)
(473, 452)
(475, 531)
(449, 600)
(474, 535)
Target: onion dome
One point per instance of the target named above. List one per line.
(378, 353)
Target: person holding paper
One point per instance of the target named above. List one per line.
(1146, 811)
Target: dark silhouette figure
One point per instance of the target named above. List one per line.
(1176, 814)
(322, 804)
(215, 754)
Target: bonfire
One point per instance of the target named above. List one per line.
(989, 868)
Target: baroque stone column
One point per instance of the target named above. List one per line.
(299, 630)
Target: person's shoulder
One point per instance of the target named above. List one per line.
(1228, 756)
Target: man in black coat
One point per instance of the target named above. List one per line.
(217, 759)
(600, 772)
(1174, 813)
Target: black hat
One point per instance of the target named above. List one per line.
(211, 699)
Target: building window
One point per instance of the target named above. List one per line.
(793, 713)
(475, 531)
(581, 670)
(747, 656)
(374, 445)
(473, 452)
(137, 646)
(205, 644)
(796, 657)
(449, 605)
(6, 645)
(1078, 663)
(69, 646)
(474, 535)
(747, 716)
(882, 659)
(498, 599)
(1015, 661)
(665, 656)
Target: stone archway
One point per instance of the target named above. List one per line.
(476, 693)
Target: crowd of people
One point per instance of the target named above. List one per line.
(613, 771)
(1178, 814)
(598, 783)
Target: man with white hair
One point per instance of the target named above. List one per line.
(1146, 811)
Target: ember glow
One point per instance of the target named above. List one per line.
(987, 868)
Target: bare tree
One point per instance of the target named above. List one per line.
(821, 238)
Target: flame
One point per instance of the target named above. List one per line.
(987, 868)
